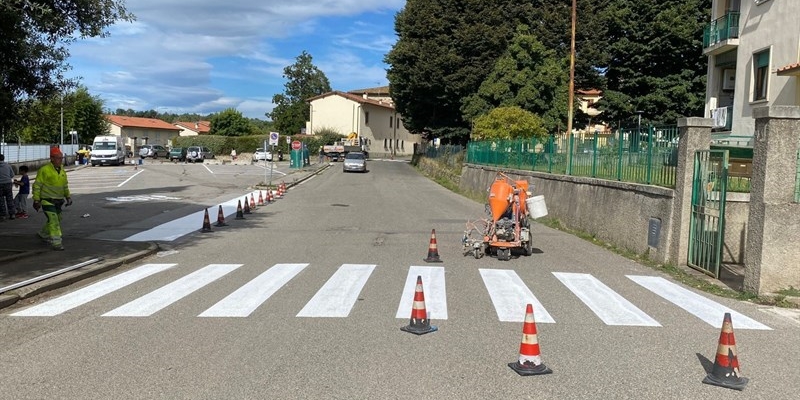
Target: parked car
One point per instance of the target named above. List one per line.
(178, 154)
(198, 153)
(355, 161)
(261, 155)
(153, 150)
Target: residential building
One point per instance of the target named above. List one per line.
(137, 131)
(370, 113)
(194, 128)
(753, 61)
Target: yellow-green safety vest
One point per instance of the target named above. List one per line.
(50, 184)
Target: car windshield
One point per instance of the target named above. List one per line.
(105, 146)
(177, 149)
(259, 150)
(354, 156)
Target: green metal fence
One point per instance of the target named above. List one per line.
(640, 155)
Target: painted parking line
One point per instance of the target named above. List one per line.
(607, 304)
(706, 309)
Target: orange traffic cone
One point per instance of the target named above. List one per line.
(270, 199)
(246, 206)
(530, 361)
(206, 223)
(239, 212)
(260, 198)
(220, 217)
(252, 202)
(433, 251)
(726, 364)
(419, 324)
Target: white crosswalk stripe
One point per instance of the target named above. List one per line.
(433, 288)
(607, 304)
(340, 292)
(337, 297)
(79, 297)
(510, 296)
(246, 299)
(154, 301)
(707, 310)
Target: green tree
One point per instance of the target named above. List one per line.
(34, 49)
(230, 122)
(303, 81)
(655, 63)
(82, 113)
(529, 76)
(445, 49)
(508, 123)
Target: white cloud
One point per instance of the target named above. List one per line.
(204, 56)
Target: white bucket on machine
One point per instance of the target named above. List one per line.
(536, 207)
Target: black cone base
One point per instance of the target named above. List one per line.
(419, 329)
(529, 369)
(735, 383)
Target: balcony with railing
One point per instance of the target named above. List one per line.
(722, 34)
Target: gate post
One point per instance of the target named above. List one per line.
(773, 226)
(694, 134)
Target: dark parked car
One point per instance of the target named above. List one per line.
(178, 154)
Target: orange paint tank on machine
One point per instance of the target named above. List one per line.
(507, 227)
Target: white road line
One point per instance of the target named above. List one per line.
(612, 308)
(249, 297)
(132, 176)
(433, 287)
(209, 169)
(156, 300)
(94, 291)
(707, 310)
(510, 296)
(336, 298)
(177, 228)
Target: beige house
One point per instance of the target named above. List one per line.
(753, 61)
(370, 113)
(137, 131)
(194, 128)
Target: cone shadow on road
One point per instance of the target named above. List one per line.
(707, 364)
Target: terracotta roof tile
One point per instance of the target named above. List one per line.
(198, 126)
(354, 97)
(137, 122)
(791, 69)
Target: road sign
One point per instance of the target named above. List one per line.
(296, 145)
(273, 138)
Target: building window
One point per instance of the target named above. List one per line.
(761, 75)
(391, 120)
(366, 117)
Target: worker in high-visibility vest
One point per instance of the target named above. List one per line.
(50, 193)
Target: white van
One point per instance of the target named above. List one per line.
(108, 150)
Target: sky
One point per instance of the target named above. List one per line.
(204, 56)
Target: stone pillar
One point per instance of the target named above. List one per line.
(695, 134)
(772, 256)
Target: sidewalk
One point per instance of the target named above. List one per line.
(24, 257)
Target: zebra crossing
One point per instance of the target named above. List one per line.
(338, 295)
(91, 180)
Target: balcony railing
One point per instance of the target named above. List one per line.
(720, 29)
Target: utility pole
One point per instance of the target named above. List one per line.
(62, 118)
(572, 69)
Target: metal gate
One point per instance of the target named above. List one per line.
(707, 223)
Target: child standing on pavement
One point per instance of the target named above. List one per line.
(21, 200)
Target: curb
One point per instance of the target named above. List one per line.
(71, 277)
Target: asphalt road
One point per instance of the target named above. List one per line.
(338, 253)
